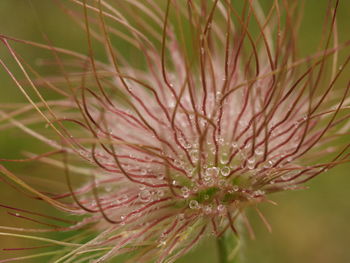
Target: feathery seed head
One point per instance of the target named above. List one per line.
(208, 112)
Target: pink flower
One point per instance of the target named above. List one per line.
(208, 112)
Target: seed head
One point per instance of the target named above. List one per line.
(208, 111)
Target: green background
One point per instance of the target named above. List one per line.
(308, 225)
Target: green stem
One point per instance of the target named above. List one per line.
(222, 252)
(228, 247)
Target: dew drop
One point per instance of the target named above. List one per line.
(160, 193)
(268, 164)
(212, 172)
(225, 171)
(181, 216)
(185, 192)
(194, 204)
(221, 209)
(208, 209)
(259, 151)
(234, 145)
(145, 196)
(250, 166)
(222, 182)
(194, 155)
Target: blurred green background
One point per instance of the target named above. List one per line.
(308, 226)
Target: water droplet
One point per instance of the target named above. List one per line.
(185, 192)
(212, 172)
(162, 243)
(222, 182)
(208, 209)
(221, 209)
(268, 164)
(235, 188)
(225, 171)
(194, 204)
(145, 196)
(251, 165)
(259, 151)
(160, 176)
(259, 192)
(224, 158)
(235, 145)
(160, 193)
(233, 166)
(251, 160)
(194, 155)
(181, 216)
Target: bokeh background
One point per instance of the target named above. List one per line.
(310, 225)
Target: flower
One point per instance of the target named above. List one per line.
(211, 111)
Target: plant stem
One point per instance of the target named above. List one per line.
(228, 247)
(222, 251)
